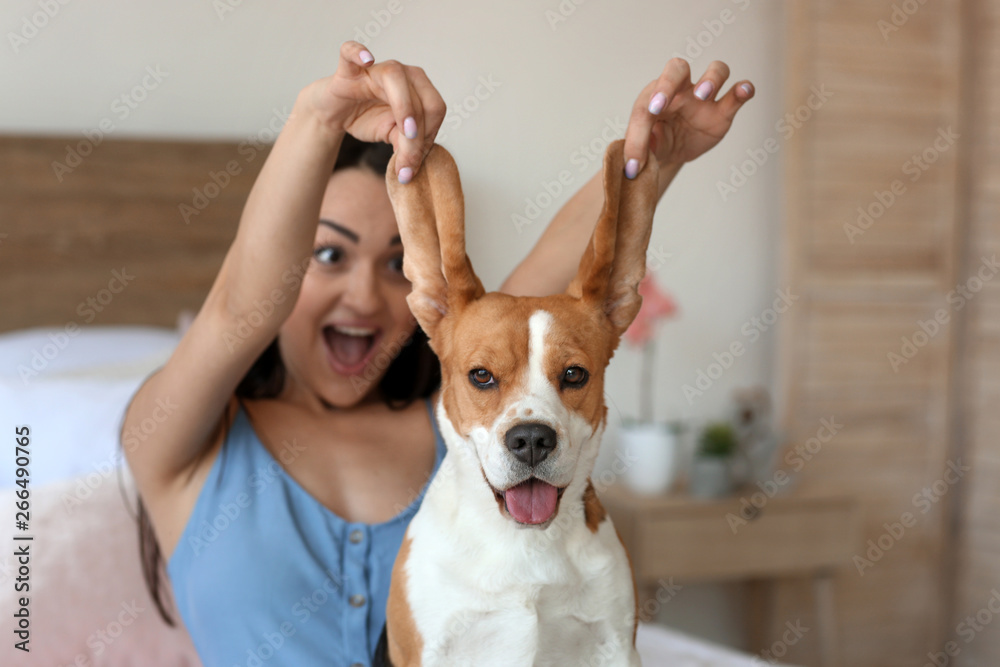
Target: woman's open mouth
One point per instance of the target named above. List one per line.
(349, 349)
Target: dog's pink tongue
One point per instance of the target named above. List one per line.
(533, 501)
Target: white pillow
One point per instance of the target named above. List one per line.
(30, 355)
(660, 646)
(73, 423)
(71, 391)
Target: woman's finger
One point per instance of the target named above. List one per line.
(711, 81)
(418, 127)
(735, 98)
(413, 130)
(653, 101)
(640, 124)
(391, 77)
(354, 59)
(432, 102)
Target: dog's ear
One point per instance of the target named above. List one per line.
(430, 212)
(615, 259)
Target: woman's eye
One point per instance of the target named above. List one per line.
(396, 264)
(481, 378)
(330, 254)
(575, 376)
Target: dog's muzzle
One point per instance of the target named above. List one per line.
(533, 501)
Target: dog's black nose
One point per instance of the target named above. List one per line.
(531, 442)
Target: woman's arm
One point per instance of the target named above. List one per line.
(677, 120)
(553, 261)
(263, 269)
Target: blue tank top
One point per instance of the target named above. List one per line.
(265, 575)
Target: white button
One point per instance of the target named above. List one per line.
(357, 600)
(356, 536)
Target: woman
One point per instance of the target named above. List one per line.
(279, 489)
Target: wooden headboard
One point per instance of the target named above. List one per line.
(114, 233)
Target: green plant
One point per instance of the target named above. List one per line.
(718, 439)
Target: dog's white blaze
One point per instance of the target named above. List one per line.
(538, 326)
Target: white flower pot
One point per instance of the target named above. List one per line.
(649, 455)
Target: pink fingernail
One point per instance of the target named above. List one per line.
(657, 103)
(747, 88)
(704, 89)
(366, 57)
(410, 128)
(631, 169)
(405, 175)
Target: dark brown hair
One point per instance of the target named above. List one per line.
(413, 374)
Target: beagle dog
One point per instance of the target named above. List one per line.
(511, 560)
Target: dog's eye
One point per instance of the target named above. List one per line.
(575, 376)
(481, 378)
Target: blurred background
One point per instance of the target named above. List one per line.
(831, 263)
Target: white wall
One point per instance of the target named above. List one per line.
(560, 84)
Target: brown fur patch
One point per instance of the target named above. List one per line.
(431, 216)
(615, 259)
(593, 510)
(405, 642)
(493, 332)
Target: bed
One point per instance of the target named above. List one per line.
(100, 271)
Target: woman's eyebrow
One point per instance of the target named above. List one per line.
(340, 228)
(395, 240)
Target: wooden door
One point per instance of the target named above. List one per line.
(977, 573)
(873, 247)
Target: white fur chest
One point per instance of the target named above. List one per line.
(484, 591)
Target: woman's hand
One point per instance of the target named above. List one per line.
(678, 120)
(387, 101)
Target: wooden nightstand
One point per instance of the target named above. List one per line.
(696, 540)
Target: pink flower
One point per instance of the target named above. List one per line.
(656, 305)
